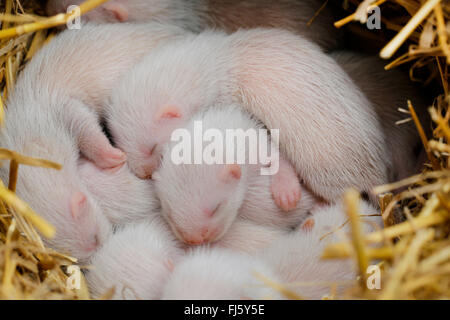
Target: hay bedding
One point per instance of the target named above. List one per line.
(414, 249)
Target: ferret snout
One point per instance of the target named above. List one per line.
(204, 235)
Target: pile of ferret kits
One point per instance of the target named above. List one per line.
(153, 229)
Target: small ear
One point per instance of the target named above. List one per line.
(169, 112)
(119, 11)
(231, 172)
(77, 204)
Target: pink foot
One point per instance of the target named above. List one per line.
(286, 194)
(115, 169)
(286, 189)
(92, 141)
(98, 149)
(109, 157)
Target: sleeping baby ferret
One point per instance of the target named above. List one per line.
(53, 113)
(60, 197)
(137, 260)
(200, 201)
(198, 15)
(328, 128)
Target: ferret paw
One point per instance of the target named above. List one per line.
(109, 158)
(286, 192)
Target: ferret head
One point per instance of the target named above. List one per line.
(91, 227)
(63, 201)
(122, 196)
(200, 202)
(219, 274)
(59, 196)
(159, 95)
(141, 132)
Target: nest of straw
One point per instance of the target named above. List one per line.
(413, 252)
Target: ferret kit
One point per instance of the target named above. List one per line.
(224, 150)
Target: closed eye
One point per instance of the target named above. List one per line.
(210, 213)
(217, 208)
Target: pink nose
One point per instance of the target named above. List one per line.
(204, 235)
(194, 240)
(145, 171)
(204, 232)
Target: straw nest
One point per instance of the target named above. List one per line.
(412, 251)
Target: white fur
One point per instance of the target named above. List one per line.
(53, 111)
(197, 15)
(249, 237)
(74, 75)
(219, 274)
(47, 191)
(86, 63)
(123, 197)
(154, 84)
(328, 129)
(136, 260)
(389, 90)
(297, 257)
(186, 191)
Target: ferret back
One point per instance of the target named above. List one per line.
(218, 274)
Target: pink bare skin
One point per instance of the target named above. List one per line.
(230, 15)
(285, 187)
(91, 140)
(60, 197)
(308, 225)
